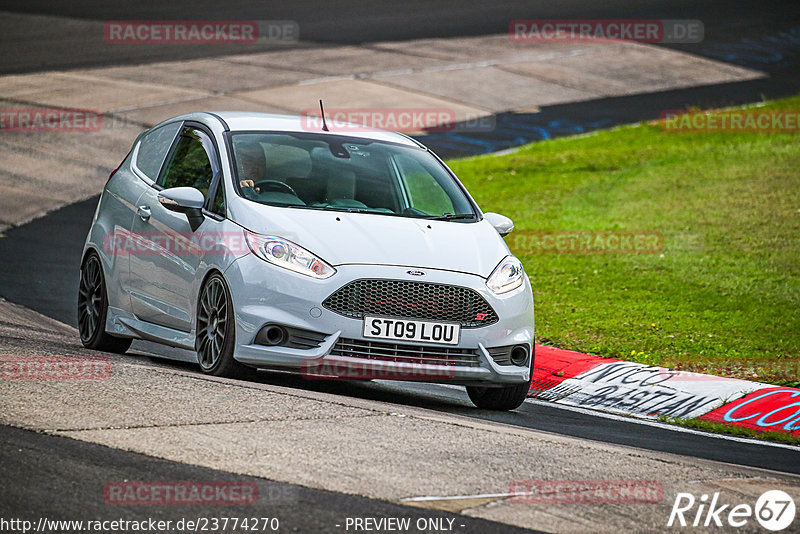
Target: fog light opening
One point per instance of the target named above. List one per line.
(519, 355)
(272, 335)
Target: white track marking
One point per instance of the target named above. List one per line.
(458, 497)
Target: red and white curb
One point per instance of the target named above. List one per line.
(628, 388)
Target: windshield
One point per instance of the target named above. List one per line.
(313, 171)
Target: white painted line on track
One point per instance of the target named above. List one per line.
(323, 79)
(458, 497)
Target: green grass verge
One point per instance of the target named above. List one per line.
(740, 431)
(723, 296)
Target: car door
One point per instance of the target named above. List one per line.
(146, 161)
(164, 270)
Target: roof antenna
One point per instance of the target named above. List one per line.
(322, 111)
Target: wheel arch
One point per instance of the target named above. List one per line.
(89, 250)
(208, 274)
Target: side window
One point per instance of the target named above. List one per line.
(218, 205)
(153, 149)
(190, 162)
(424, 191)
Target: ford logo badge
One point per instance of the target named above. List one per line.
(416, 273)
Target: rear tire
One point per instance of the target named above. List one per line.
(93, 309)
(216, 330)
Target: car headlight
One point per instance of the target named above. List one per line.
(507, 276)
(288, 255)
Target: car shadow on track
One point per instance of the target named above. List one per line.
(418, 394)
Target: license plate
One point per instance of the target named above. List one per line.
(409, 330)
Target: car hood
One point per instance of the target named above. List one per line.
(362, 238)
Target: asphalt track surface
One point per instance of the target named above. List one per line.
(67, 471)
(365, 21)
(759, 35)
(41, 263)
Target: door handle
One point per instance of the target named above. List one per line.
(143, 212)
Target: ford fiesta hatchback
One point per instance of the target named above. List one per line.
(258, 241)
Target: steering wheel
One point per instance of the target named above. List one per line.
(274, 185)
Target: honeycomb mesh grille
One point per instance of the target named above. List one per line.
(412, 300)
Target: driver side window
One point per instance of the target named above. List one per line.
(189, 165)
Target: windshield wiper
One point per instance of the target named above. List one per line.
(374, 211)
(452, 217)
(329, 208)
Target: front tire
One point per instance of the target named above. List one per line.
(216, 331)
(93, 309)
(502, 398)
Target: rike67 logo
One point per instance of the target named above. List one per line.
(774, 510)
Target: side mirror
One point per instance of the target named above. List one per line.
(187, 200)
(501, 223)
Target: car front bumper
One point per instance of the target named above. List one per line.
(263, 293)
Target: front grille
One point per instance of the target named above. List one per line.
(412, 300)
(396, 352)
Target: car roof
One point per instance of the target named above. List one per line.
(240, 121)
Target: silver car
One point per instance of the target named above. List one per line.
(259, 241)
